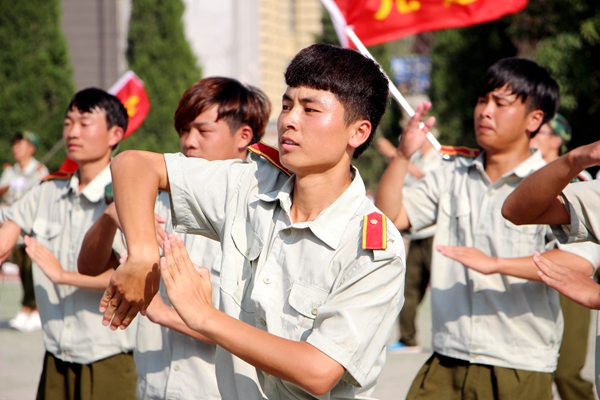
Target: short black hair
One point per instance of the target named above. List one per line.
(92, 99)
(357, 82)
(529, 81)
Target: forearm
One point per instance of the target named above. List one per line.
(9, 234)
(525, 268)
(99, 282)
(389, 192)
(297, 362)
(168, 317)
(534, 200)
(96, 250)
(137, 177)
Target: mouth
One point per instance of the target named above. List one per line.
(286, 142)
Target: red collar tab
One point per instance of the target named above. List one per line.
(58, 175)
(374, 235)
(269, 153)
(460, 151)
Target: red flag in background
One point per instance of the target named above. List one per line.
(380, 21)
(132, 93)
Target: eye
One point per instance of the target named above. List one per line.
(285, 107)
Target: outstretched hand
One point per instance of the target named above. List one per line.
(415, 131)
(188, 287)
(131, 289)
(45, 259)
(470, 257)
(575, 285)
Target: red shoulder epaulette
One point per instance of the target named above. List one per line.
(460, 151)
(58, 175)
(583, 177)
(374, 234)
(6, 165)
(269, 153)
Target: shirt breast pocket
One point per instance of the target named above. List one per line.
(45, 231)
(456, 211)
(305, 301)
(523, 240)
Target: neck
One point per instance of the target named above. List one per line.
(499, 163)
(90, 170)
(313, 193)
(22, 163)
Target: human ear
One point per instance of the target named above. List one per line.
(116, 134)
(245, 137)
(534, 120)
(360, 133)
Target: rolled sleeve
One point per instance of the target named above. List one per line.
(421, 200)
(581, 200)
(23, 211)
(354, 324)
(201, 191)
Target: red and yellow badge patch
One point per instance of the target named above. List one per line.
(374, 235)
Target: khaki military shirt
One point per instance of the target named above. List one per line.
(19, 181)
(171, 365)
(492, 319)
(306, 281)
(58, 216)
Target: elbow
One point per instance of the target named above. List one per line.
(323, 378)
(509, 213)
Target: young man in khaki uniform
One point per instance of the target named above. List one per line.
(81, 361)
(217, 119)
(547, 196)
(496, 331)
(312, 275)
(15, 181)
(552, 140)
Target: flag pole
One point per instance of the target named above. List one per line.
(393, 89)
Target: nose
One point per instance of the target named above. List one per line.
(288, 120)
(190, 140)
(486, 108)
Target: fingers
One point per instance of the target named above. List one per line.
(550, 269)
(159, 219)
(106, 298)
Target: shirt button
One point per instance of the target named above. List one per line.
(477, 289)
(68, 325)
(481, 226)
(267, 280)
(248, 252)
(314, 311)
(176, 368)
(473, 347)
(490, 193)
(286, 232)
(477, 320)
(263, 322)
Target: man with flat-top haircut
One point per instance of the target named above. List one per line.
(312, 274)
(496, 328)
(81, 361)
(216, 119)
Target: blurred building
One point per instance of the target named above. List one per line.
(250, 40)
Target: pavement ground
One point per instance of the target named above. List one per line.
(21, 353)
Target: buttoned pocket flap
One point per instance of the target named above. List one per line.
(456, 206)
(46, 229)
(307, 299)
(246, 240)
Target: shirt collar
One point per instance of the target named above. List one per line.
(95, 190)
(534, 162)
(330, 224)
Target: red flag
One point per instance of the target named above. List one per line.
(132, 93)
(380, 21)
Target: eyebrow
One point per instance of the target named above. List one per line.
(302, 100)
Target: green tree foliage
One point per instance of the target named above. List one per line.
(371, 164)
(35, 77)
(160, 55)
(561, 35)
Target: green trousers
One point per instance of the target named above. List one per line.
(445, 378)
(21, 258)
(113, 378)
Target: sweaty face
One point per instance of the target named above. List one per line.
(501, 120)
(207, 138)
(86, 136)
(313, 136)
